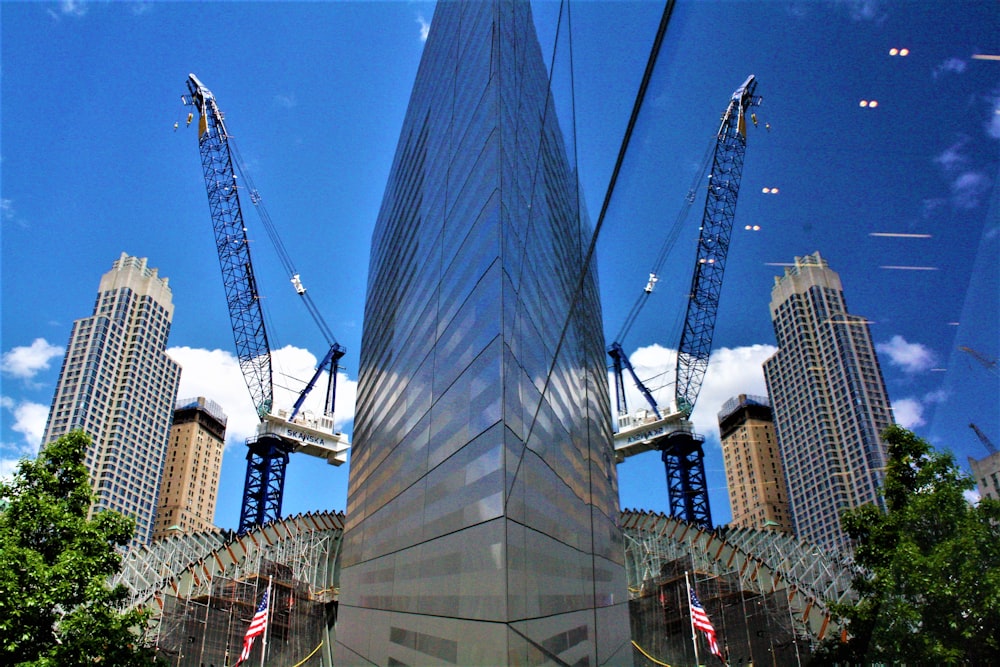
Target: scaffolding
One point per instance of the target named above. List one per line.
(768, 604)
(204, 588)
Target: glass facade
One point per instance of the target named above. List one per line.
(482, 518)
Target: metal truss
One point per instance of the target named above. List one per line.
(764, 564)
(185, 565)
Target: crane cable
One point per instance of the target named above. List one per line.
(669, 242)
(279, 246)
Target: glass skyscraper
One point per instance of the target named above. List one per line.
(482, 518)
(829, 401)
(119, 386)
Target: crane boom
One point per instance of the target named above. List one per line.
(713, 246)
(670, 431)
(233, 248)
(280, 432)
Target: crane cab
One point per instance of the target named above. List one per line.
(640, 431)
(308, 433)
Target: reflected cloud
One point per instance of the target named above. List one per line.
(949, 66)
(968, 190)
(910, 357)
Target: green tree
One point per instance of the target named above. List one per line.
(56, 607)
(929, 581)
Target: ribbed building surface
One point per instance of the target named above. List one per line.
(482, 504)
(119, 386)
(191, 469)
(829, 401)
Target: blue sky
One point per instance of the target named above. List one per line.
(314, 94)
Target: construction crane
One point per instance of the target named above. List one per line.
(280, 432)
(669, 430)
(987, 443)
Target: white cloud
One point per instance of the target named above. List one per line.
(286, 101)
(425, 27)
(29, 421)
(26, 362)
(731, 371)
(968, 190)
(865, 10)
(993, 122)
(911, 357)
(69, 8)
(216, 375)
(954, 157)
(951, 65)
(972, 496)
(908, 412)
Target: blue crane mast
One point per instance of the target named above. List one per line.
(280, 432)
(670, 432)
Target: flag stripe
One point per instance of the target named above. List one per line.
(699, 619)
(258, 624)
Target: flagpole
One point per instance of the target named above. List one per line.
(267, 624)
(694, 632)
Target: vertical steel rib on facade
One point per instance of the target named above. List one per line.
(482, 520)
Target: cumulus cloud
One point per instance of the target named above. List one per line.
(286, 101)
(425, 27)
(25, 363)
(29, 421)
(954, 157)
(949, 66)
(216, 375)
(731, 371)
(865, 10)
(911, 357)
(968, 190)
(908, 412)
(69, 8)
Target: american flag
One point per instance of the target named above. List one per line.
(258, 624)
(700, 621)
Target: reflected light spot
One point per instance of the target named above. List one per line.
(863, 103)
(985, 56)
(899, 52)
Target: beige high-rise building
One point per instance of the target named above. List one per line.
(119, 386)
(986, 472)
(756, 480)
(829, 401)
(190, 484)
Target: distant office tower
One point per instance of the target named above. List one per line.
(829, 401)
(482, 516)
(754, 474)
(986, 472)
(192, 468)
(119, 386)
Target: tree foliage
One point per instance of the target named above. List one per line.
(56, 607)
(930, 566)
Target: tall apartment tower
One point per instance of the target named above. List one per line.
(119, 386)
(192, 469)
(482, 513)
(754, 474)
(829, 401)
